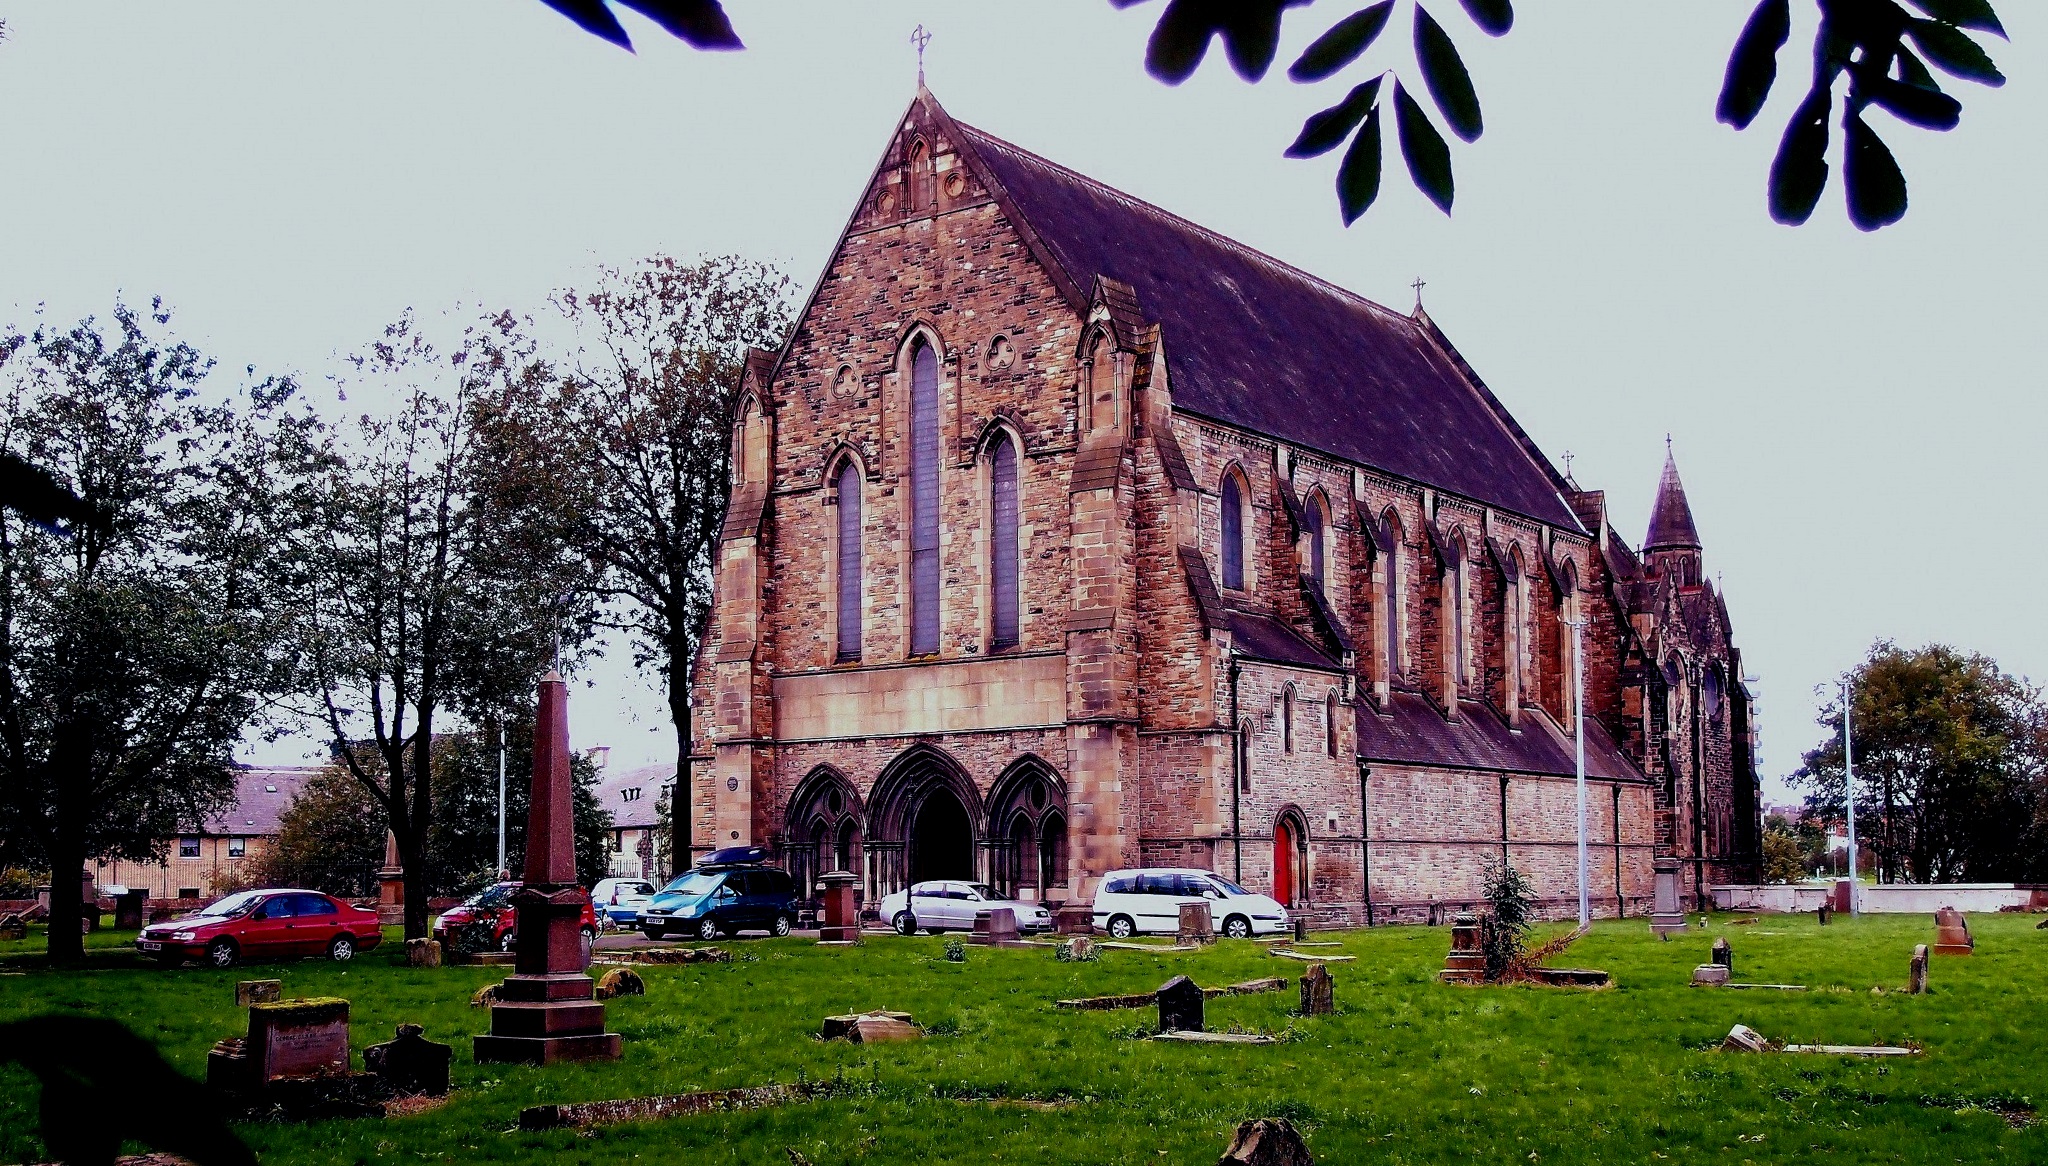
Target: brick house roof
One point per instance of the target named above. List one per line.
(1255, 343)
(260, 796)
(637, 811)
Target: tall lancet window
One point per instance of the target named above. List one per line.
(1315, 539)
(1002, 546)
(922, 181)
(1390, 595)
(1460, 629)
(849, 565)
(1233, 533)
(1101, 384)
(924, 500)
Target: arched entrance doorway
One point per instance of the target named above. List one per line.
(821, 831)
(924, 818)
(1290, 848)
(1028, 831)
(941, 841)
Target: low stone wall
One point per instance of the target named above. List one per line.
(1888, 899)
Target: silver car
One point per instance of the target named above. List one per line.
(945, 905)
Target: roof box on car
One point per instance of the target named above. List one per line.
(734, 856)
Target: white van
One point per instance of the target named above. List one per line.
(1131, 902)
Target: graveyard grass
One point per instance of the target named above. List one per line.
(1407, 1071)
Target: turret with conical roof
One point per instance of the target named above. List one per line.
(1673, 544)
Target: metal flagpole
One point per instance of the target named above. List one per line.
(1579, 733)
(502, 871)
(1849, 796)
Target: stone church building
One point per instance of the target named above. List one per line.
(1067, 535)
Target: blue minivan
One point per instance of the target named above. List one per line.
(730, 891)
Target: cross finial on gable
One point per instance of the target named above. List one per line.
(1568, 463)
(920, 38)
(1418, 285)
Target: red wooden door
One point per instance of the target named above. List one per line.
(1283, 863)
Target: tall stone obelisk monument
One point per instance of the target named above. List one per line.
(547, 1010)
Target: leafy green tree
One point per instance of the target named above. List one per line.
(1785, 859)
(438, 580)
(1949, 757)
(330, 838)
(465, 837)
(135, 647)
(640, 419)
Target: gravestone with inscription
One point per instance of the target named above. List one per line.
(1196, 925)
(1666, 916)
(995, 927)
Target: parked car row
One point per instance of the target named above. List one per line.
(728, 892)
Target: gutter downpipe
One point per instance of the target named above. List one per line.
(1236, 778)
(1365, 839)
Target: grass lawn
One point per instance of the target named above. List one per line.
(1408, 1070)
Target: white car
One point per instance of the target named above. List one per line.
(621, 900)
(1130, 902)
(947, 905)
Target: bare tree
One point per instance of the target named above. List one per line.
(643, 410)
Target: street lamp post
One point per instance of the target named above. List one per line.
(1849, 795)
(1578, 625)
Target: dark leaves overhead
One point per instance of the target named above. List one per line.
(1358, 180)
(1866, 42)
(1343, 44)
(1327, 130)
(1428, 157)
(1444, 72)
(702, 24)
(1496, 17)
(1753, 66)
(1250, 30)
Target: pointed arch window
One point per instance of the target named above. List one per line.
(1317, 519)
(848, 585)
(1101, 383)
(1233, 533)
(1569, 638)
(1330, 723)
(1287, 719)
(1461, 633)
(922, 184)
(1003, 549)
(924, 500)
(1390, 601)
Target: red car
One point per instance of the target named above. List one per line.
(493, 905)
(260, 924)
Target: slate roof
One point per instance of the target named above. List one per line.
(1262, 637)
(612, 785)
(1258, 344)
(1671, 524)
(1412, 732)
(260, 796)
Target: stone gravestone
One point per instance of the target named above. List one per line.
(423, 953)
(1666, 916)
(1466, 963)
(1301, 929)
(1724, 954)
(547, 1010)
(1916, 981)
(1709, 975)
(287, 1040)
(1267, 1141)
(1180, 1005)
(249, 992)
(1952, 933)
(996, 927)
(410, 1063)
(1074, 919)
(130, 906)
(13, 927)
(1196, 925)
(841, 922)
(1318, 992)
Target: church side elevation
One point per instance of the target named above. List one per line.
(1066, 536)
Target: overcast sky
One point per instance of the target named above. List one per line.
(1857, 417)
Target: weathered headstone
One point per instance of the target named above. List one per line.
(547, 1010)
(1744, 1039)
(1318, 992)
(1180, 1005)
(1080, 949)
(410, 1063)
(1952, 933)
(1074, 919)
(1301, 929)
(1666, 916)
(620, 982)
(1466, 963)
(841, 922)
(249, 992)
(995, 927)
(1196, 925)
(129, 908)
(423, 953)
(299, 1038)
(1844, 896)
(870, 1027)
(1724, 954)
(1916, 981)
(1709, 975)
(1267, 1141)
(13, 927)
(484, 997)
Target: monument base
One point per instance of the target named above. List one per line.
(548, 1050)
(1663, 924)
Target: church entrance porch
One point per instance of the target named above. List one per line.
(941, 841)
